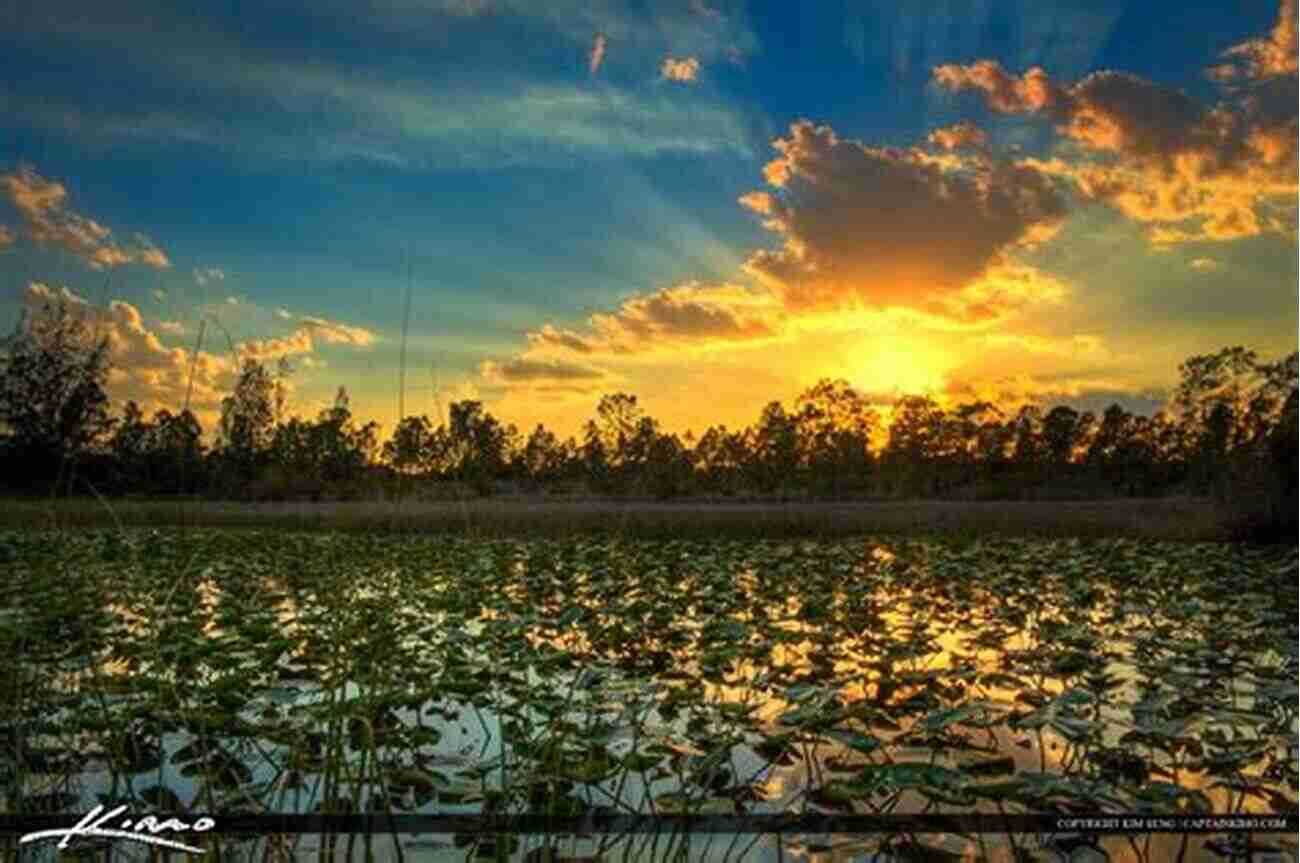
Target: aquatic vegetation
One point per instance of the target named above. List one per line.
(243, 672)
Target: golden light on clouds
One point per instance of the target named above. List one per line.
(1189, 171)
(42, 205)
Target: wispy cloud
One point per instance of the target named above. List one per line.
(456, 111)
(335, 333)
(597, 54)
(209, 275)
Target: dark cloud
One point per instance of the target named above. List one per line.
(890, 227)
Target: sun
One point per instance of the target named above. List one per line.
(899, 367)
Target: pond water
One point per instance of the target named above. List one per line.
(246, 672)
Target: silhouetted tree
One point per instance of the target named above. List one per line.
(774, 448)
(411, 448)
(835, 425)
(543, 458)
(53, 407)
(175, 448)
(247, 424)
(916, 441)
(719, 458)
(476, 445)
(667, 466)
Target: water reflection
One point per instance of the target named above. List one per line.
(686, 684)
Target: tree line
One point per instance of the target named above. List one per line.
(1230, 429)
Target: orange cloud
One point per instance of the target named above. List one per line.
(266, 350)
(692, 315)
(690, 320)
(890, 227)
(597, 55)
(1271, 56)
(994, 299)
(549, 336)
(1161, 158)
(302, 340)
(144, 369)
(41, 204)
(156, 376)
(686, 70)
(958, 136)
(1033, 91)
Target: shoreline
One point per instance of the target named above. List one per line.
(1172, 519)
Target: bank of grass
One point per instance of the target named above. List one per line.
(1176, 519)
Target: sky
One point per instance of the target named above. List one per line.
(709, 204)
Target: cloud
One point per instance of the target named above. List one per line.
(549, 336)
(1190, 172)
(959, 136)
(409, 124)
(306, 337)
(303, 339)
(597, 54)
(692, 315)
(266, 350)
(699, 7)
(530, 371)
(1071, 346)
(455, 109)
(149, 254)
(684, 323)
(41, 204)
(686, 70)
(1268, 57)
(1085, 392)
(143, 369)
(1033, 91)
(6, 237)
(204, 276)
(1204, 265)
(889, 227)
(158, 377)
(1003, 292)
(335, 333)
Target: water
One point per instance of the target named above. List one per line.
(653, 674)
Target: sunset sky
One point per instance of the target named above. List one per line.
(708, 204)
